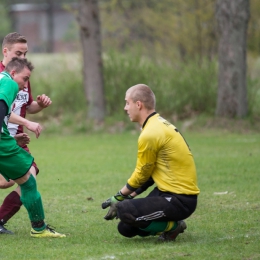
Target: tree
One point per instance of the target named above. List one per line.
(50, 25)
(89, 24)
(167, 29)
(232, 18)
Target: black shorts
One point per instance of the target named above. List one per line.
(157, 206)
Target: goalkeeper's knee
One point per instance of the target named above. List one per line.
(126, 211)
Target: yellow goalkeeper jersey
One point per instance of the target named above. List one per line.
(164, 155)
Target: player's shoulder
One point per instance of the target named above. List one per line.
(7, 82)
(5, 75)
(150, 132)
(157, 123)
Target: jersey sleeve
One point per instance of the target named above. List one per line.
(146, 160)
(8, 91)
(145, 186)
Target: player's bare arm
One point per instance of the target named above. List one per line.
(42, 101)
(31, 126)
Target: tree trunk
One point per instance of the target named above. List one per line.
(232, 17)
(91, 42)
(50, 26)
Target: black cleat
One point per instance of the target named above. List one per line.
(172, 234)
(3, 230)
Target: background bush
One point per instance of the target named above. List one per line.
(182, 89)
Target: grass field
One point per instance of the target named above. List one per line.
(77, 173)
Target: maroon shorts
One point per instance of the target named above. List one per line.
(25, 147)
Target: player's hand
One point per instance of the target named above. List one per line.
(112, 203)
(22, 139)
(112, 213)
(34, 127)
(43, 101)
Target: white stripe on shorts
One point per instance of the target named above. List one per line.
(155, 215)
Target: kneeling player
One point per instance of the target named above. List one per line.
(165, 159)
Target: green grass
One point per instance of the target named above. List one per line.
(78, 172)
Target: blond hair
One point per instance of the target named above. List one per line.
(143, 93)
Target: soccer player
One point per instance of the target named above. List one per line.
(15, 162)
(15, 45)
(163, 158)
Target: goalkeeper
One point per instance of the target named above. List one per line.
(163, 158)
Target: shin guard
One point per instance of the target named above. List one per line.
(31, 199)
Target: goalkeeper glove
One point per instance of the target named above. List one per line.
(112, 202)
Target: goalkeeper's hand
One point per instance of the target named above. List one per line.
(112, 203)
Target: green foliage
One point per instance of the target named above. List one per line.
(170, 29)
(254, 28)
(182, 89)
(253, 89)
(60, 77)
(77, 173)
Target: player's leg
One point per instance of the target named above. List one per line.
(34, 171)
(166, 230)
(127, 230)
(31, 199)
(4, 184)
(13, 167)
(157, 213)
(12, 203)
(144, 217)
(14, 163)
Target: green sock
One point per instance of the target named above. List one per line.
(32, 201)
(160, 226)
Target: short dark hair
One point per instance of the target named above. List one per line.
(13, 38)
(18, 65)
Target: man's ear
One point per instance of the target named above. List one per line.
(139, 104)
(4, 51)
(12, 73)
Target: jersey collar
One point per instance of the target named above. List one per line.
(6, 74)
(148, 118)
